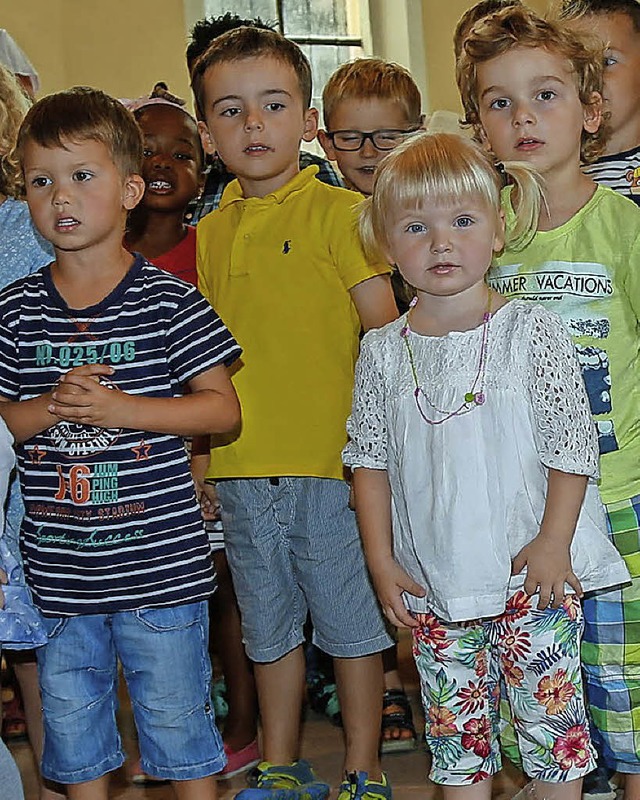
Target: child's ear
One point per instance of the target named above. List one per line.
(327, 145)
(208, 145)
(592, 113)
(310, 124)
(133, 191)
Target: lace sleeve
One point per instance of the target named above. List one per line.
(367, 429)
(565, 433)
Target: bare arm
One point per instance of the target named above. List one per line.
(375, 302)
(547, 557)
(373, 510)
(211, 406)
(27, 418)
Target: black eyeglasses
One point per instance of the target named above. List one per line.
(381, 140)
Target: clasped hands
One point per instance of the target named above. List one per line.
(80, 397)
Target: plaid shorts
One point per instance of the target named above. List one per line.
(611, 649)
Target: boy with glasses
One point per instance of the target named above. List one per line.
(370, 107)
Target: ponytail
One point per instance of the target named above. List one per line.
(529, 196)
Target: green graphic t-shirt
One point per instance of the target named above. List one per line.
(588, 272)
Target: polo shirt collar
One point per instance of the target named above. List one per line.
(233, 192)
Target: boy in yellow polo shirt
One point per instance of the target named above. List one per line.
(282, 261)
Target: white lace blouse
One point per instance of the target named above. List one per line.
(468, 494)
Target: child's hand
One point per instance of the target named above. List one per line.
(390, 580)
(205, 492)
(80, 397)
(548, 564)
(208, 499)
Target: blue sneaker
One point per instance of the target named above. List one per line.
(296, 781)
(357, 786)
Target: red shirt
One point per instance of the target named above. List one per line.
(181, 260)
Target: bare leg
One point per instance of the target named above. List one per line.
(240, 728)
(572, 790)
(280, 690)
(27, 675)
(477, 791)
(90, 790)
(199, 789)
(631, 786)
(390, 666)
(359, 682)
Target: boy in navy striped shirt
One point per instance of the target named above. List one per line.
(95, 350)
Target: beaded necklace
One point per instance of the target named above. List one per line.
(474, 397)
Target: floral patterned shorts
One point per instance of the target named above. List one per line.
(536, 652)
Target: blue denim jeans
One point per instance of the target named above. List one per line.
(166, 665)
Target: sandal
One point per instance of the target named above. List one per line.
(14, 725)
(397, 716)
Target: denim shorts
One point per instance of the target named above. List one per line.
(166, 665)
(293, 546)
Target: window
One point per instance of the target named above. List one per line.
(329, 32)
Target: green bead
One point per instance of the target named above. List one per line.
(469, 397)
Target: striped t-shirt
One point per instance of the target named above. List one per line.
(620, 171)
(111, 523)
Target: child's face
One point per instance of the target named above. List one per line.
(77, 196)
(255, 119)
(445, 249)
(621, 78)
(530, 110)
(172, 166)
(363, 115)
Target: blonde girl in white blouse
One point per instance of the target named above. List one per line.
(475, 466)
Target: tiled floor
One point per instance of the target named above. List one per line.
(321, 744)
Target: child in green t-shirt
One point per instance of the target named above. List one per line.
(532, 91)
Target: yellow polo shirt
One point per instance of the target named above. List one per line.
(278, 270)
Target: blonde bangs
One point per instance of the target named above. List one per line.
(442, 168)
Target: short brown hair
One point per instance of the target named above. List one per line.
(248, 42)
(83, 113)
(372, 77)
(516, 26)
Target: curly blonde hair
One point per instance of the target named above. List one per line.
(14, 104)
(516, 26)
